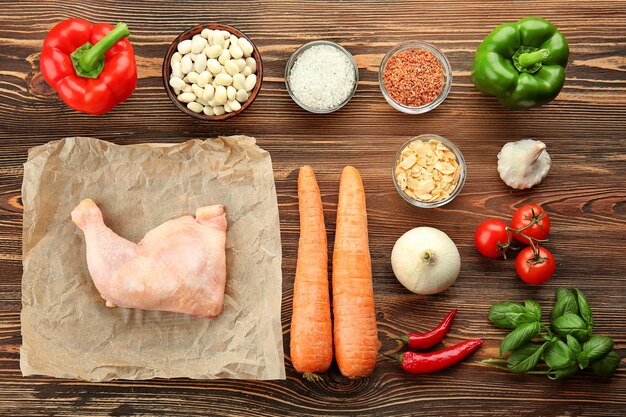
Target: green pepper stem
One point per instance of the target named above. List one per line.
(89, 61)
(529, 59)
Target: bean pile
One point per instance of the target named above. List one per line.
(213, 72)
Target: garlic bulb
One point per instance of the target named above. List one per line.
(523, 164)
(425, 260)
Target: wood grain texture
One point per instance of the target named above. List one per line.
(584, 192)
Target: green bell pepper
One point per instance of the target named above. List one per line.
(522, 64)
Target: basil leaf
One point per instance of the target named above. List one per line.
(498, 314)
(522, 334)
(533, 309)
(525, 357)
(573, 344)
(606, 366)
(559, 356)
(583, 360)
(519, 318)
(565, 303)
(597, 347)
(571, 324)
(563, 373)
(583, 307)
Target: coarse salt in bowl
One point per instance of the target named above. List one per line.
(419, 46)
(321, 76)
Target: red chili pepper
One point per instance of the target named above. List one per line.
(91, 66)
(425, 363)
(431, 338)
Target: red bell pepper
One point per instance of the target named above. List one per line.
(91, 66)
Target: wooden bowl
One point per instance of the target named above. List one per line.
(167, 71)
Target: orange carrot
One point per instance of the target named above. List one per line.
(356, 337)
(311, 328)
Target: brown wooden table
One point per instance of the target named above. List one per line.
(584, 193)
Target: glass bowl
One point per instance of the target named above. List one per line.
(447, 73)
(459, 157)
(294, 57)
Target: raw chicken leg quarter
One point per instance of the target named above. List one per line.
(179, 266)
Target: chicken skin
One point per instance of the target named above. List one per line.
(179, 266)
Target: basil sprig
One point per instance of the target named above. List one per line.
(558, 350)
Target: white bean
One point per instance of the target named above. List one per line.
(206, 33)
(247, 71)
(186, 97)
(212, 102)
(176, 57)
(245, 46)
(231, 67)
(241, 64)
(187, 89)
(193, 56)
(176, 70)
(231, 93)
(202, 101)
(200, 64)
(220, 96)
(242, 96)
(198, 91)
(251, 62)
(250, 82)
(217, 38)
(195, 107)
(235, 51)
(213, 51)
(239, 81)
(224, 56)
(226, 44)
(223, 79)
(177, 91)
(197, 44)
(204, 78)
(214, 66)
(235, 105)
(186, 65)
(209, 92)
(184, 47)
(227, 108)
(192, 77)
(208, 110)
(177, 83)
(219, 110)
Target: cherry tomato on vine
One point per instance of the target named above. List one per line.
(524, 216)
(535, 269)
(491, 238)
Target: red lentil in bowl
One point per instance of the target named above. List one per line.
(415, 77)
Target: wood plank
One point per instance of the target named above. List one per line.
(584, 193)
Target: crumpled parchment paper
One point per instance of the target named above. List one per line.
(68, 331)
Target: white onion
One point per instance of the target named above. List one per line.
(425, 260)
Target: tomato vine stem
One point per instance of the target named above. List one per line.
(534, 219)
